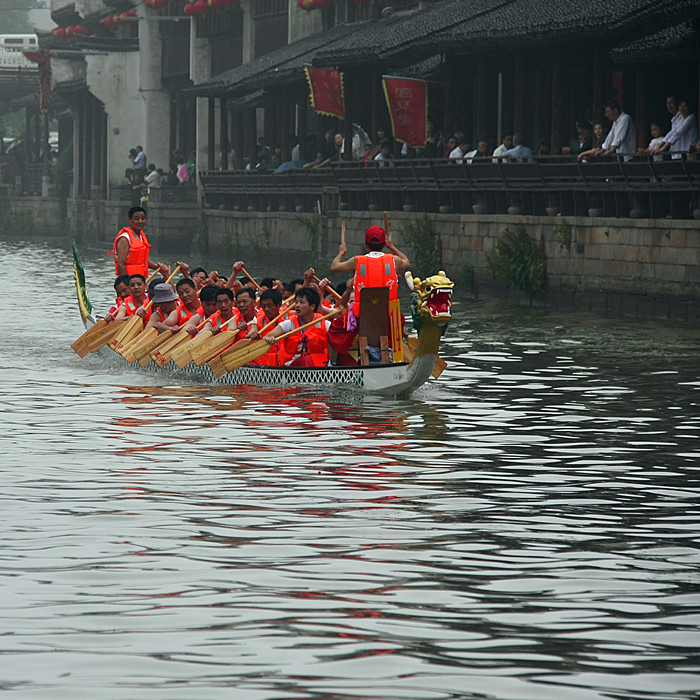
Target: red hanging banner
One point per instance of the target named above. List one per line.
(407, 100)
(326, 85)
(43, 58)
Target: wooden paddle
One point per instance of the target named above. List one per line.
(409, 353)
(139, 341)
(163, 353)
(181, 355)
(342, 233)
(80, 345)
(214, 344)
(260, 347)
(134, 325)
(329, 289)
(217, 365)
(386, 223)
(143, 354)
(245, 272)
(222, 341)
(100, 339)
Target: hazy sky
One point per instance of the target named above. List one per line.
(41, 19)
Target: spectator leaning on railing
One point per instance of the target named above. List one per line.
(622, 137)
(683, 134)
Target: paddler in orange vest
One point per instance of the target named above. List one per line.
(270, 303)
(131, 248)
(136, 300)
(308, 348)
(164, 303)
(187, 307)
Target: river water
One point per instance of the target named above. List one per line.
(527, 527)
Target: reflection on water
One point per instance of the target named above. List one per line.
(525, 528)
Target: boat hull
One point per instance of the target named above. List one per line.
(391, 380)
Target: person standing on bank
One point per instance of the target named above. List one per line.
(131, 248)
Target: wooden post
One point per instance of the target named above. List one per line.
(520, 93)
(481, 107)
(223, 132)
(598, 87)
(640, 108)
(347, 153)
(558, 100)
(211, 123)
(283, 127)
(448, 109)
(302, 121)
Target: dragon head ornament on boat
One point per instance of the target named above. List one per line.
(431, 301)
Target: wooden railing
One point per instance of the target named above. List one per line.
(640, 187)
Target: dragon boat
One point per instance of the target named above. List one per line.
(431, 307)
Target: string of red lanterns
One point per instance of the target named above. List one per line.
(68, 32)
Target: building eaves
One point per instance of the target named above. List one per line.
(279, 67)
(679, 42)
(535, 22)
(473, 26)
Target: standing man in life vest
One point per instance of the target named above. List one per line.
(376, 269)
(131, 248)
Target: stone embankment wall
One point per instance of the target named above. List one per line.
(642, 268)
(621, 267)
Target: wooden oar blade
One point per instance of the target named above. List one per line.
(132, 328)
(181, 355)
(138, 341)
(439, 368)
(80, 345)
(212, 346)
(143, 354)
(101, 339)
(161, 353)
(217, 366)
(255, 350)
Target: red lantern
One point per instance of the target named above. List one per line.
(132, 12)
(69, 31)
(60, 33)
(201, 7)
(80, 30)
(54, 32)
(189, 9)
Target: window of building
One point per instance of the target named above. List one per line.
(271, 25)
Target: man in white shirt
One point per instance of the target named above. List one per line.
(622, 137)
(458, 153)
(683, 134)
(506, 144)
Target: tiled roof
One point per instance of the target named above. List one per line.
(276, 67)
(470, 26)
(673, 43)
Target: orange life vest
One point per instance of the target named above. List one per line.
(131, 307)
(184, 314)
(311, 343)
(217, 320)
(269, 359)
(139, 248)
(375, 269)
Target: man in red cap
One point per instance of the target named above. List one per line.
(376, 269)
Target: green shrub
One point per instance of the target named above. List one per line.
(518, 261)
(426, 246)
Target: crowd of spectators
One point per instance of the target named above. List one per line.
(592, 141)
